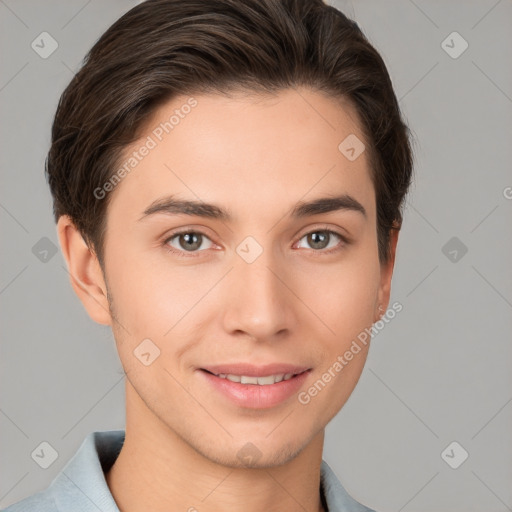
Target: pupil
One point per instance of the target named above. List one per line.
(193, 241)
(318, 239)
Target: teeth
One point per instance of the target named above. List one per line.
(262, 381)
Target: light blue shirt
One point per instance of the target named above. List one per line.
(81, 485)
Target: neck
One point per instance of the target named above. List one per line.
(158, 470)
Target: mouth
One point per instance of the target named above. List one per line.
(256, 388)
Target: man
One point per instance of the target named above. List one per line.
(228, 178)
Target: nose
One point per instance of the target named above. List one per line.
(258, 303)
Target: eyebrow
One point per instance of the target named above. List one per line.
(173, 206)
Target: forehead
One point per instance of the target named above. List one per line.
(257, 153)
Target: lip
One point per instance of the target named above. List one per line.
(254, 396)
(251, 370)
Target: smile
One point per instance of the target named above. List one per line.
(256, 392)
(260, 381)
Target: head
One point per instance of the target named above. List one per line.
(278, 119)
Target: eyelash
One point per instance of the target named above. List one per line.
(194, 254)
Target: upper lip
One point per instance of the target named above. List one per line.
(251, 370)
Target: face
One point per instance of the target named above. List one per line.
(254, 284)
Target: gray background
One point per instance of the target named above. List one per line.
(439, 372)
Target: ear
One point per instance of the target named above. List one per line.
(386, 272)
(85, 271)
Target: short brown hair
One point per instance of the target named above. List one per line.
(164, 48)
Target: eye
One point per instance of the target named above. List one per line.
(186, 241)
(320, 240)
(192, 242)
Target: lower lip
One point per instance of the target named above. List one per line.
(255, 396)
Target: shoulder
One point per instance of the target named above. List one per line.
(337, 498)
(80, 484)
(41, 501)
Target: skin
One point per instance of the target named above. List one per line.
(257, 157)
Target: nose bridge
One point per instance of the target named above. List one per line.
(259, 303)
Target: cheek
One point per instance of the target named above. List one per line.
(343, 296)
(155, 297)
(346, 305)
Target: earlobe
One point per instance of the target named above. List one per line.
(85, 271)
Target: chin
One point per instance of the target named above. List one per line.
(260, 453)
